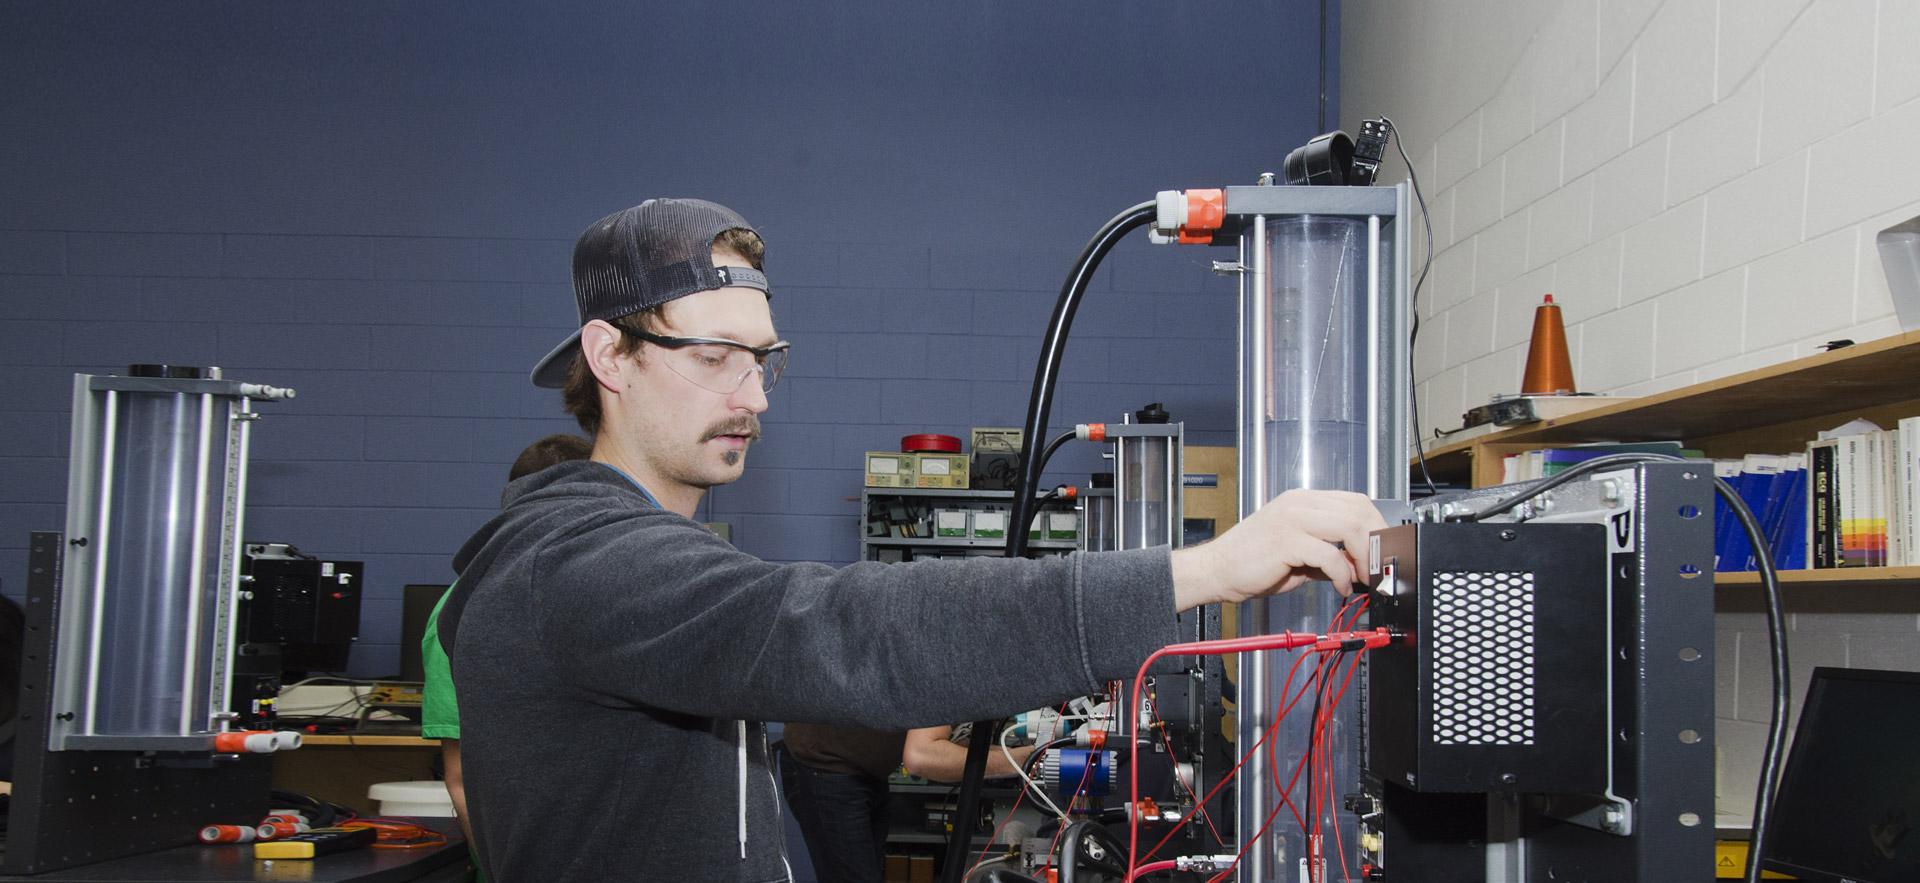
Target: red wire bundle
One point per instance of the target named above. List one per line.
(392, 834)
(1329, 646)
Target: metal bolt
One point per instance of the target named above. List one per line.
(64, 716)
(1508, 534)
(78, 541)
(1508, 778)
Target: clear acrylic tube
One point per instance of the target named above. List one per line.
(149, 668)
(1321, 367)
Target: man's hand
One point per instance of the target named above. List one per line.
(1290, 541)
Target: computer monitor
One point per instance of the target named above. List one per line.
(416, 605)
(1849, 799)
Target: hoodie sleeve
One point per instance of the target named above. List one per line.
(652, 609)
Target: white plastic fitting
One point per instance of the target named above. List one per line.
(261, 743)
(1169, 211)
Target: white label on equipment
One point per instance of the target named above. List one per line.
(326, 568)
(951, 519)
(1622, 532)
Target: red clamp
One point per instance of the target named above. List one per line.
(1206, 211)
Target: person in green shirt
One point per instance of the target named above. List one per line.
(439, 711)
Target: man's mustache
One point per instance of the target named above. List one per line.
(747, 426)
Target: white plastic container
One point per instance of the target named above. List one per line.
(425, 798)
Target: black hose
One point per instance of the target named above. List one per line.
(1039, 408)
(1046, 498)
(1052, 446)
(1776, 628)
(1073, 855)
(1782, 698)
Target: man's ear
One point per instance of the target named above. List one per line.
(600, 346)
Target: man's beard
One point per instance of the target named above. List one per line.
(748, 426)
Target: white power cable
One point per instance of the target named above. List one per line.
(1039, 793)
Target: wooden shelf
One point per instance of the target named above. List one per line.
(963, 543)
(929, 839)
(950, 493)
(1836, 576)
(370, 741)
(1775, 409)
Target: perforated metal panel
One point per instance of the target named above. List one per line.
(1503, 686)
(1483, 658)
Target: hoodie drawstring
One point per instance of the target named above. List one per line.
(743, 790)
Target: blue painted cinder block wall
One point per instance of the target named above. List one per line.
(375, 203)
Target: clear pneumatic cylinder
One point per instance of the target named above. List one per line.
(1146, 464)
(1322, 399)
(1096, 514)
(156, 487)
(158, 540)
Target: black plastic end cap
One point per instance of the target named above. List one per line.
(177, 372)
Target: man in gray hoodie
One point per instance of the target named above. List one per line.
(613, 659)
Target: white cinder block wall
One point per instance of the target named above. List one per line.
(1698, 183)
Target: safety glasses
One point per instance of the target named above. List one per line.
(719, 365)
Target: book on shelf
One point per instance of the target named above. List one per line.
(1765, 483)
(1823, 510)
(1788, 534)
(1862, 534)
(1906, 468)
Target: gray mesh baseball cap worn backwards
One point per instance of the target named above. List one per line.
(640, 258)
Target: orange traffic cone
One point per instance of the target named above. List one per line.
(1549, 368)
